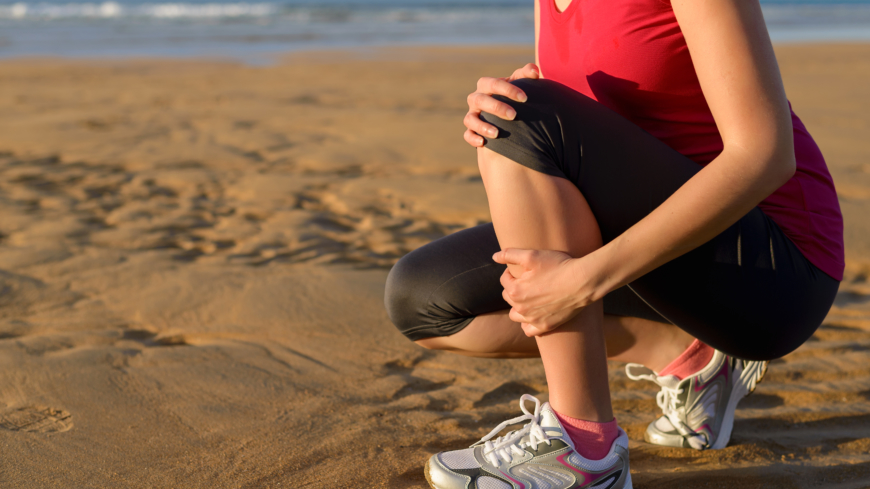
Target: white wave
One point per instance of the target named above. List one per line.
(105, 10)
(803, 14)
(284, 12)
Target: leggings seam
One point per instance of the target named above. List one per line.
(528, 154)
(650, 305)
(429, 297)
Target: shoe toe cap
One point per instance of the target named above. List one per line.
(658, 434)
(440, 477)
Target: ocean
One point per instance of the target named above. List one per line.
(256, 30)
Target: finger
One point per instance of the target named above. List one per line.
(531, 331)
(481, 102)
(516, 317)
(530, 70)
(473, 122)
(500, 86)
(473, 138)
(514, 256)
(507, 280)
(507, 298)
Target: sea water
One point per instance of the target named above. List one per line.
(254, 30)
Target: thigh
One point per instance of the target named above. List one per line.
(725, 292)
(439, 288)
(749, 292)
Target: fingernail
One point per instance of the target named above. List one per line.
(511, 113)
(522, 97)
(492, 133)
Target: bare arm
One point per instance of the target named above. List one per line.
(737, 69)
(740, 78)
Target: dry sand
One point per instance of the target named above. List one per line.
(193, 257)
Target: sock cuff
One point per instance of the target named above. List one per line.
(582, 424)
(592, 440)
(693, 359)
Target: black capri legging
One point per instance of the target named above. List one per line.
(748, 292)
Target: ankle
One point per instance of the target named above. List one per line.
(592, 440)
(693, 359)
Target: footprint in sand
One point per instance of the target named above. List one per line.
(35, 419)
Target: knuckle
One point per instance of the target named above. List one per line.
(495, 106)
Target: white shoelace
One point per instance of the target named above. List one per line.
(667, 399)
(505, 447)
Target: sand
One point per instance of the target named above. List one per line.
(193, 256)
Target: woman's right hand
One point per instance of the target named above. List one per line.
(482, 101)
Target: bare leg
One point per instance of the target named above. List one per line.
(628, 339)
(536, 211)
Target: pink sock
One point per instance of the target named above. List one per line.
(696, 357)
(592, 440)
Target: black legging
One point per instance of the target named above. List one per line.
(748, 292)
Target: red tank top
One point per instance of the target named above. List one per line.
(631, 56)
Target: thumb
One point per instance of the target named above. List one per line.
(512, 256)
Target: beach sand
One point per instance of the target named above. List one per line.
(193, 256)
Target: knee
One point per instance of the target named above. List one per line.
(541, 103)
(418, 304)
(401, 295)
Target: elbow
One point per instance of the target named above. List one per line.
(785, 169)
(778, 156)
(783, 152)
(785, 165)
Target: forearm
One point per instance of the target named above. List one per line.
(711, 201)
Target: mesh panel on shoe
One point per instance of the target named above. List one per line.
(459, 459)
(664, 425)
(491, 483)
(593, 465)
(544, 477)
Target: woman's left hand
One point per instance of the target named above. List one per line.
(547, 294)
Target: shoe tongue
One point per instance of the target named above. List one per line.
(551, 425)
(669, 381)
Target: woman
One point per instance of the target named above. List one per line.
(655, 201)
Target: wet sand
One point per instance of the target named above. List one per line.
(192, 260)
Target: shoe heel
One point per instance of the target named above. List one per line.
(749, 379)
(627, 484)
(752, 377)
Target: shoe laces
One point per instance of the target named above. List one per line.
(668, 399)
(505, 447)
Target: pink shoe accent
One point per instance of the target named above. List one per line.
(522, 486)
(696, 357)
(723, 372)
(591, 440)
(588, 478)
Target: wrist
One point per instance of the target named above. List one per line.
(599, 276)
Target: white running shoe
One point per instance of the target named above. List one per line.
(540, 455)
(699, 410)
